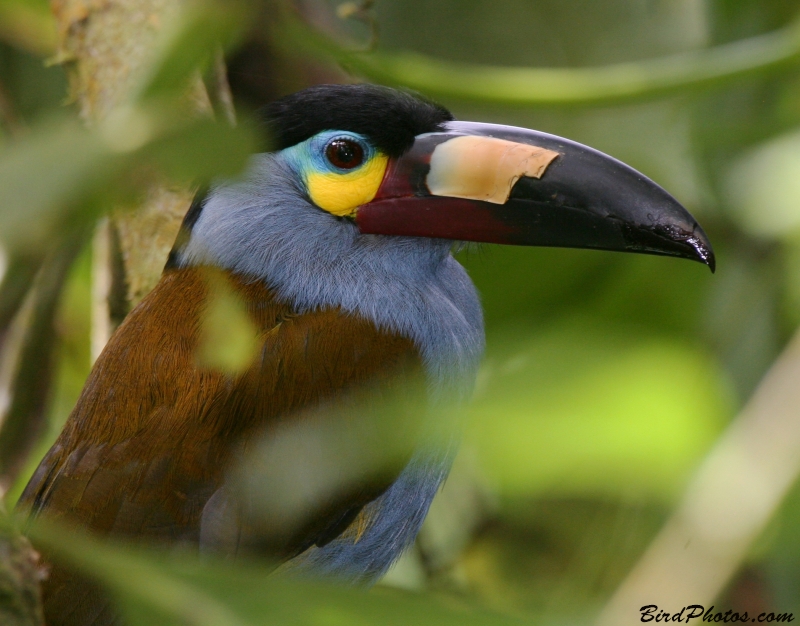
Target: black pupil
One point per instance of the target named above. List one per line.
(345, 154)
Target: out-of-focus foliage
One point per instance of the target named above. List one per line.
(574, 439)
(607, 377)
(28, 26)
(764, 185)
(179, 589)
(227, 336)
(615, 82)
(19, 577)
(57, 165)
(648, 408)
(78, 168)
(72, 360)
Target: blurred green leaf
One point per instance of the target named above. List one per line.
(28, 25)
(588, 410)
(50, 169)
(228, 337)
(345, 447)
(534, 287)
(26, 417)
(181, 589)
(763, 187)
(559, 558)
(205, 150)
(135, 576)
(74, 361)
(49, 177)
(783, 553)
(550, 86)
(189, 41)
(20, 574)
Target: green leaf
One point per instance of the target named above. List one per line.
(345, 445)
(60, 174)
(180, 589)
(620, 82)
(189, 41)
(763, 187)
(203, 150)
(50, 169)
(587, 410)
(228, 337)
(20, 596)
(29, 26)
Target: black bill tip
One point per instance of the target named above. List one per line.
(704, 252)
(508, 185)
(685, 240)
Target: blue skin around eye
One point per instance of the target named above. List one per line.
(309, 156)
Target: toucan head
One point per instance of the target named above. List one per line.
(399, 165)
(354, 165)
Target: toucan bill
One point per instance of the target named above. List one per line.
(503, 184)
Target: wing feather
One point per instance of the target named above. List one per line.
(149, 440)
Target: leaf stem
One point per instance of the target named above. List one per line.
(582, 86)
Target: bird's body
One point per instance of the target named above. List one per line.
(146, 451)
(163, 430)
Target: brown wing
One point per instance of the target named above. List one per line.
(150, 438)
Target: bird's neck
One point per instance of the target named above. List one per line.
(263, 228)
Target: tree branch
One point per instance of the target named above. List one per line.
(584, 86)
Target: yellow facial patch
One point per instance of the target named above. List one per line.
(342, 194)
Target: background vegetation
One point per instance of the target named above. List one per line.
(612, 406)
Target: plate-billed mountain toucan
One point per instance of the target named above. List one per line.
(339, 242)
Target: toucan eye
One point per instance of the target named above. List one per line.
(344, 153)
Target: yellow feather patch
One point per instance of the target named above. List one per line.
(342, 194)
